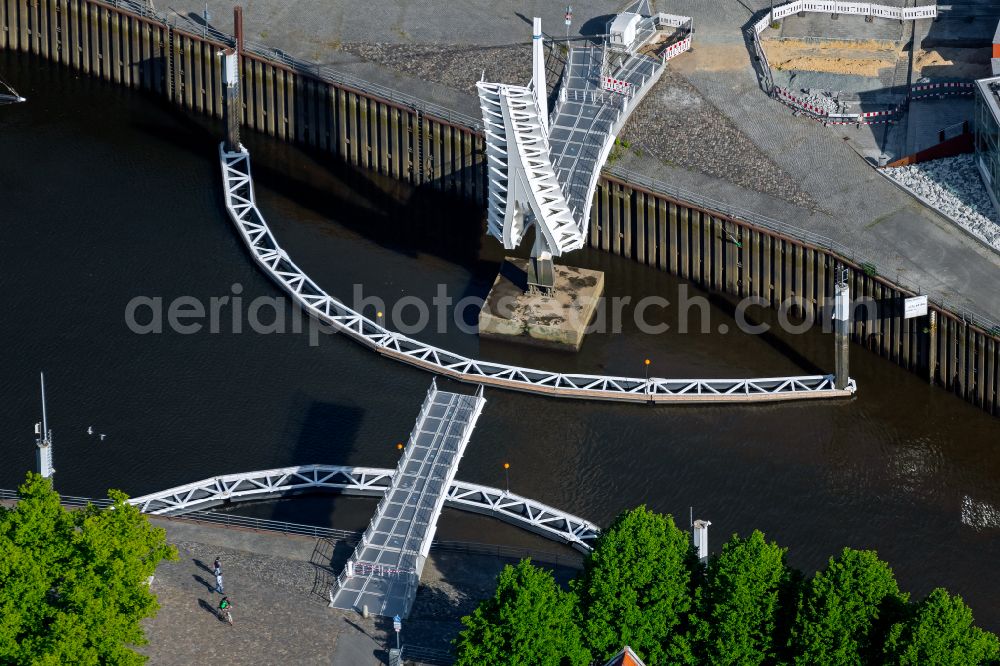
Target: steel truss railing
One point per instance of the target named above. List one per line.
(514, 509)
(242, 207)
(521, 176)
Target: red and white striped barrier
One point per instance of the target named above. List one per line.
(675, 50)
(875, 114)
(615, 85)
(856, 8)
(788, 97)
(942, 89)
(867, 118)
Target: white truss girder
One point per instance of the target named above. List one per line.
(514, 509)
(242, 208)
(521, 176)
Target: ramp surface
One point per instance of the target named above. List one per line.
(384, 571)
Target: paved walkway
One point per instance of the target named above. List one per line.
(278, 585)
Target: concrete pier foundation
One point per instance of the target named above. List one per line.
(556, 319)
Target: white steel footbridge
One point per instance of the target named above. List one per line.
(543, 169)
(509, 507)
(384, 571)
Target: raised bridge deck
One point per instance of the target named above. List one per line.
(544, 169)
(384, 571)
(587, 118)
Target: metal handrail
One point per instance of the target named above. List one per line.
(330, 75)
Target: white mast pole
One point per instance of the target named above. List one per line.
(44, 441)
(538, 74)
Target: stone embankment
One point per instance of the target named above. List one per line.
(952, 185)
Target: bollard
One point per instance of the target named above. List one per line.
(364, 611)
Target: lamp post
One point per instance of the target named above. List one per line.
(506, 474)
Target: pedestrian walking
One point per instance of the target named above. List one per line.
(217, 567)
(218, 582)
(224, 610)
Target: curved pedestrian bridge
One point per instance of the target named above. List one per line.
(241, 205)
(523, 512)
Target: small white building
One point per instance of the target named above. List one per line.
(622, 30)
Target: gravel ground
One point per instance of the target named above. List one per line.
(457, 66)
(678, 126)
(953, 186)
(674, 123)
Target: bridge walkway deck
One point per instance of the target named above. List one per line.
(587, 117)
(384, 571)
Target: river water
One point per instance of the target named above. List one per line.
(108, 195)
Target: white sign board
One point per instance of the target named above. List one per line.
(231, 72)
(914, 307)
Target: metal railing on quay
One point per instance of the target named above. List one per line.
(264, 525)
(185, 24)
(738, 213)
(424, 655)
(415, 654)
(509, 552)
(335, 77)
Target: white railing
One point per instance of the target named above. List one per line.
(857, 8)
(242, 208)
(514, 509)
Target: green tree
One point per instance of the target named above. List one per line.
(737, 605)
(940, 630)
(843, 608)
(73, 583)
(529, 620)
(636, 589)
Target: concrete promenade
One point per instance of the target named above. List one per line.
(788, 168)
(278, 585)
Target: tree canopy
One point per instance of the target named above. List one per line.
(642, 587)
(529, 620)
(636, 589)
(738, 603)
(939, 630)
(839, 609)
(73, 583)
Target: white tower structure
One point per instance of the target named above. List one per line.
(538, 74)
(44, 440)
(700, 528)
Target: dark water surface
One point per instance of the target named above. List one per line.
(107, 196)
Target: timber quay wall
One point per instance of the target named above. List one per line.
(417, 142)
